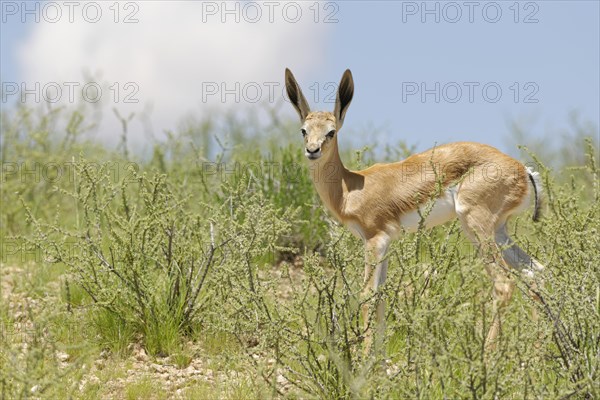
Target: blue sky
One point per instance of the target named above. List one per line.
(483, 65)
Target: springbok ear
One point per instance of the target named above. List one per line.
(295, 94)
(344, 97)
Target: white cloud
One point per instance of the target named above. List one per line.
(173, 49)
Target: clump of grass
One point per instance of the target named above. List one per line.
(181, 359)
(145, 388)
(116, 332)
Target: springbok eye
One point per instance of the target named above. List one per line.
(330, 134)
(303, 132)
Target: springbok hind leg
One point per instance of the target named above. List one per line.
(517, 258)
(522, 262)
(502, 294)
(479, 228)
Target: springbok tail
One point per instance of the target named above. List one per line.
(536, 183)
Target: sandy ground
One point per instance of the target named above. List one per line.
(201, 371)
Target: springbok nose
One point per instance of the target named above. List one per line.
(316, 150)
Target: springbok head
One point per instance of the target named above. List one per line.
(319, 128)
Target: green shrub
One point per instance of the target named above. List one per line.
(137, 253)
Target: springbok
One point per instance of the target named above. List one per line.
(474, 182)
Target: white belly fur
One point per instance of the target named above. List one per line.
(443, 210)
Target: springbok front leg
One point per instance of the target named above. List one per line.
(375, 275)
